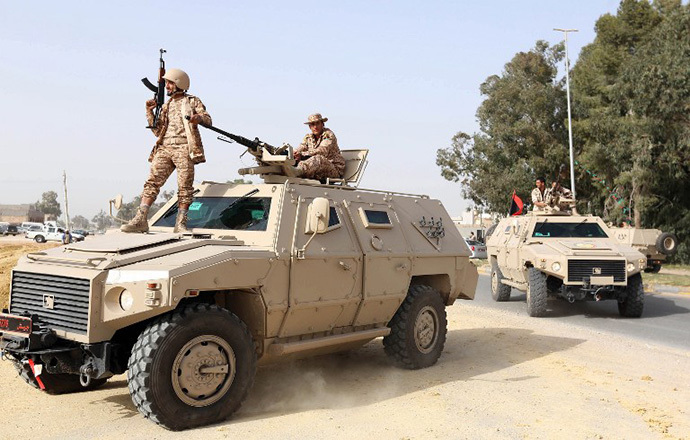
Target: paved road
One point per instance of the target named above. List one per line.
(666, 317)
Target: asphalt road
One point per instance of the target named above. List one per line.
(665, 320)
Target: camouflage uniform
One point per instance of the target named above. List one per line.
(537, 196)
(177, 147)
(325, 161)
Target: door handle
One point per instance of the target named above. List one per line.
(344, 265)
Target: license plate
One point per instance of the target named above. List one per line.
(17, 324)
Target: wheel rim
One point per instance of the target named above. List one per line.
(425, 329)
(669, 243)
(203, 370)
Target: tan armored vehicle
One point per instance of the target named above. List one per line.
(556, 253)
(272, 271)
(653, 243)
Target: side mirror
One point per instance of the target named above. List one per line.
(318, 215)
(117, 204)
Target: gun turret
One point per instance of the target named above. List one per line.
(271, 161)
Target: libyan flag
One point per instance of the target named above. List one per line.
(515, 205)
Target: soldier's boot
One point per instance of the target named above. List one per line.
(181, 222)
(139, 223)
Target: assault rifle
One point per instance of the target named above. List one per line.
(254, 146)
(159, 92)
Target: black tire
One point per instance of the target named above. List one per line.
(536, 293)
(499, 291)
(667, 243)
(55, 383)
(633, 303)
(654, 268)
(40, 239)
(218, 338)
(418, 329)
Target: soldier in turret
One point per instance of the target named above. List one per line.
(318, 155)
(178, 147)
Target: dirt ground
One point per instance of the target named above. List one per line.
(502, 375)
(11, 248)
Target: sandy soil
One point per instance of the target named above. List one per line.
(11, 249)
(502, 375)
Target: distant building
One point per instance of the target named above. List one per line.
(473, 221)
(20, 213)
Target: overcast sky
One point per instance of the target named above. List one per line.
(400, 78)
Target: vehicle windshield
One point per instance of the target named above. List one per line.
(565, 230)
(250, 214)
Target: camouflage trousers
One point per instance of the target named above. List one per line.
(318, 167)
(166, 159)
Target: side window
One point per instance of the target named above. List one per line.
(374, 218)
(333, 219)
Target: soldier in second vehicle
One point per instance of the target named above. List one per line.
(178, 147)
(318, 155)
(539, 195)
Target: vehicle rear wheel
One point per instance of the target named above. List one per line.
(499, 291)
(633, 303)
(418, 329)
(40, 239)
(192, 367)
(536, 293)
(655, 268)
(55, 383)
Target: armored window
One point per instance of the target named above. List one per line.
(373, 218)
(571, 230)
(234, 213)
(333, 219)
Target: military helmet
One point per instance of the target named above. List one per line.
(179, 77)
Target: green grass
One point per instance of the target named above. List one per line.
(668, 279)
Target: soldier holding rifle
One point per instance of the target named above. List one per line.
(178, 146)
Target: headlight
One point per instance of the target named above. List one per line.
(643, 263)
(631, 267)
(555, 266)
(126, 300)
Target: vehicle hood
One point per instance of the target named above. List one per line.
(583, 248)
(121, 249)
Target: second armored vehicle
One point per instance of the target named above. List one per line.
(286, 268)
(654, 244)
(560, 254)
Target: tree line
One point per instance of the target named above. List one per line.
(630, 95)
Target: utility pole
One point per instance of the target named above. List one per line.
(570, 123)
(64, 183)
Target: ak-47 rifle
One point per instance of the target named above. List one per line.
(254, 146)
(159, 92)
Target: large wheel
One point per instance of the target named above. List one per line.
(667, 243)
(633, 303)
(499, 291)
(55, 383)
(192, 367)
(536, 293)
(418, 329)
(40, 239)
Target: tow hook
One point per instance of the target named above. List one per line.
(597, 296)
(85, 375)
(571, 298)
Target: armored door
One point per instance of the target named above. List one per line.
(325, 275)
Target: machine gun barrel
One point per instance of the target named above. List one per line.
(254, 146)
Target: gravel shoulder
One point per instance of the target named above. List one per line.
(502, 375)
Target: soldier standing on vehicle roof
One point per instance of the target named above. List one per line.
(178, 147)
(539, 194)
(318, 155)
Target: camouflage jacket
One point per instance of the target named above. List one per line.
(325, 145)
(174, 127)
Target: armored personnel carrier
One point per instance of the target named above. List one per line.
(271, 271)
(559, 253)
(653, 243)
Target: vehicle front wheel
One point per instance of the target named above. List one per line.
(192, 367)
(40, 239)
(633, 303)
(499, 291)
(536, 293)
(418, 329)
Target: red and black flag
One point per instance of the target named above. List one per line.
(515, 205)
